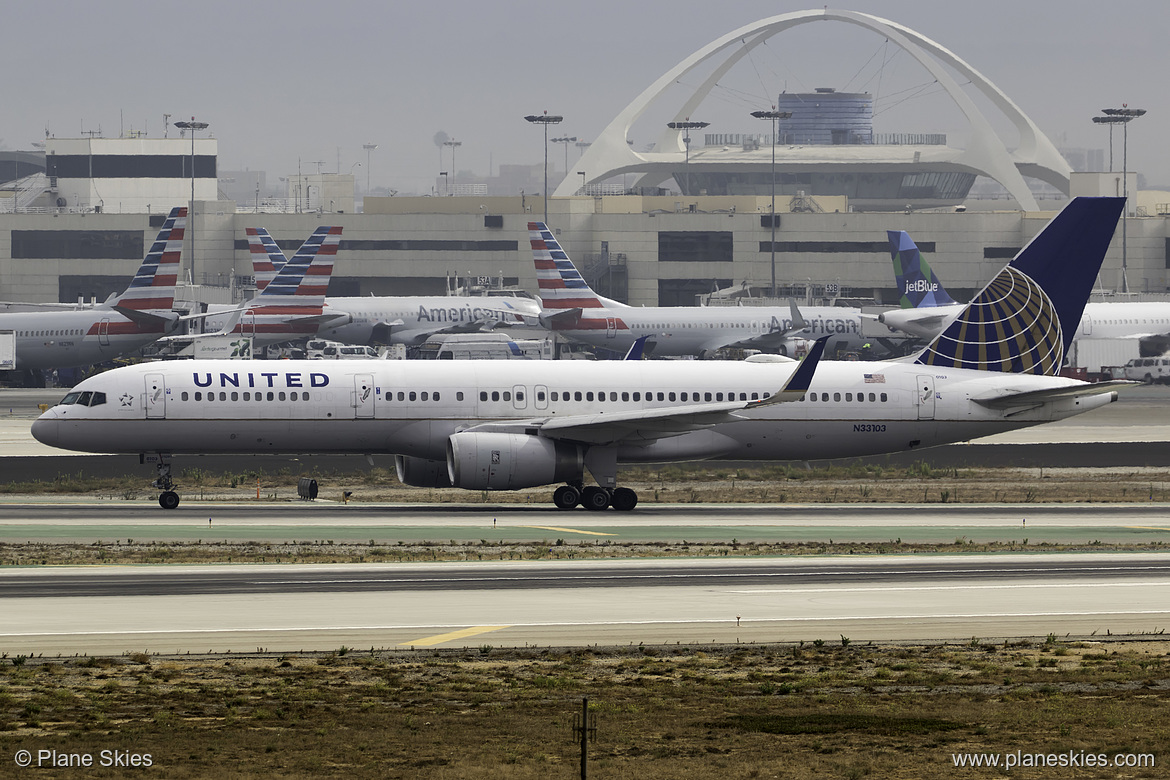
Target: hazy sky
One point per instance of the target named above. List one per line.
(293, 80)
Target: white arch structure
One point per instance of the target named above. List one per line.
(1036, 156)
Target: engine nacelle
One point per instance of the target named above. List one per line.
(420, 472)
(510, 461)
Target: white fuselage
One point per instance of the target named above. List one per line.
(412, 319)
(377, 320)
(77, 337)
(695, 330)
(1100, 320)
(411, 408)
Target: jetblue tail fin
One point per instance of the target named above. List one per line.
(1024, 321)
(920, 287)
(267, 257)
(561, 285)
(153, 287)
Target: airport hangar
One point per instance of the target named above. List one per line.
(79, 228)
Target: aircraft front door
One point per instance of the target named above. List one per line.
(925, 397)
(363, 395)
(156, 396)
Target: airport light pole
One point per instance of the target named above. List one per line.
(369, 148)
(774, 116)
(566, 140)
(1121, 116)
(546, 120)
(687, 126)
(192, 126)
(453, 144)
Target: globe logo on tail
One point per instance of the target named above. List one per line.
(1012, 326)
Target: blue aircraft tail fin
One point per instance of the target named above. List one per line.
(916, 280)
(1024, 321)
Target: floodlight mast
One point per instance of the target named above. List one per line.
(686, 126)
(1121, 116)
(545, 119)
(192, 126)
(773, 115)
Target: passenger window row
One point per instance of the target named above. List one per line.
(247, 396)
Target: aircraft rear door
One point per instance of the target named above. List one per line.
(363, 395)
(925, 398)
(104, 332)
(610, 327)
(156, 396)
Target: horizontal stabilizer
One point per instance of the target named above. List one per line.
(1037, 397)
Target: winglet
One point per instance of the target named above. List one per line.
(799, 323)
(636, 349)
(798, 384)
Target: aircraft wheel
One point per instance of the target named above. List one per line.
(566, 497)
(595, 498)
(168, 500)
(624, 499)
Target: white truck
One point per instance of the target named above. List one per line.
(1155, 370)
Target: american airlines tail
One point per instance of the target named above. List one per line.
(561, 286)
(293, 301)
(1024, 321)
(267, 257)
(153, 288)
(919, 286)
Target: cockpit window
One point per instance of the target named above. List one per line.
(86, 398)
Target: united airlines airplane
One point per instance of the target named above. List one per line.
(410, 320)
(574, 310)
(67, 338)
(926, 307)
(500, 425)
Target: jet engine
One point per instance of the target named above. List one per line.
(420, 472)
(509, 461)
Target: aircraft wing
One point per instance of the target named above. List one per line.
(644, 426)
(1030, 399)
(145, 317)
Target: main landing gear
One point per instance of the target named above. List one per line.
(594, 497)
(168, 499)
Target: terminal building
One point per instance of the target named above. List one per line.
(77, 218)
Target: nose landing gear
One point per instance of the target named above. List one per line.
(168, 499)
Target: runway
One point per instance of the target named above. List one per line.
(91, 520)
(574, 603)
(176, 609)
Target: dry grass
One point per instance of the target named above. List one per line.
(828, 710)
(688, 483)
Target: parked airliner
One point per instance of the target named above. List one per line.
(574, 310)
(927, 307)
(504, 425)
(410, 320)
(65, 338)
